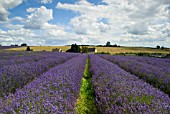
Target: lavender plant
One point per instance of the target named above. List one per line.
(163, 64)
(56, 91)
(117, 91)
(156, 76)
(16, 76)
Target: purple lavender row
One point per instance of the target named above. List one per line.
(54, 92)
(153, 75)
(7, 55)
(31, 58)
(118, 92)
(16, 76)
(21, 60)
(158, 62)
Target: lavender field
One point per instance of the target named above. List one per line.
(53, 82)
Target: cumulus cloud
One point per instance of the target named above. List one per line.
(51, 30)
(137, 28)
(38, 17)
(35, 29)
(16, 36)
(12, 26)
(87, 25)
(5, 5)
(127, 20)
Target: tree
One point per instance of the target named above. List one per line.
(24, 44)
(158, 47)
(162, 47)
(84, 49)
(74, 48)
(28, 48)
(108, 43)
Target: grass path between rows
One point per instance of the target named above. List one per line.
(86, 102)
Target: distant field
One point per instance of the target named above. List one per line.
(41, 48)
(112, 50)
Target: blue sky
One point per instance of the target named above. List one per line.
(63, 22)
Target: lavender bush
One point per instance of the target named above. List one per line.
(55, 91)
(163, 64)
(117, 91)
(156, 76)
(16, 76)
(7, 55)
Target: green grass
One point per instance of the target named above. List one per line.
(86, 102)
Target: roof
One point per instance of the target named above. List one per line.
(91, 49)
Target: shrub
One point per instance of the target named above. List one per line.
(104, 53)
(29, 49)
(24, 44)
(74, 48)
(84, 49)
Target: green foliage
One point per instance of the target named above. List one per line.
(86, 102)
(158, 47)
(162, 47)
(108, 44)
(141, 99)
(84, 49)
(74, 48)
(24, 44)
(29, 49)
(103, 53)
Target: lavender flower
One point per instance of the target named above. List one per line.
(55, 91)
(117, 91)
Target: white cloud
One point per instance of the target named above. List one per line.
(126, 21)
(35, 29)
(16, 36)
(5, 5)
(137, 28)
(87, 25)
(46, 1)
(17, 18)
(12, 26)
(53, 30)
(3, 14)
(38, 17)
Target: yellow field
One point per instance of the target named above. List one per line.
(41, 48)
(114, 50)
(111, 50)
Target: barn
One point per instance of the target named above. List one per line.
(92, 50)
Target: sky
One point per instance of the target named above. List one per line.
(93, 22)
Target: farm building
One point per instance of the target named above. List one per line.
(56, 50)
(92, 50)
(167, 56)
